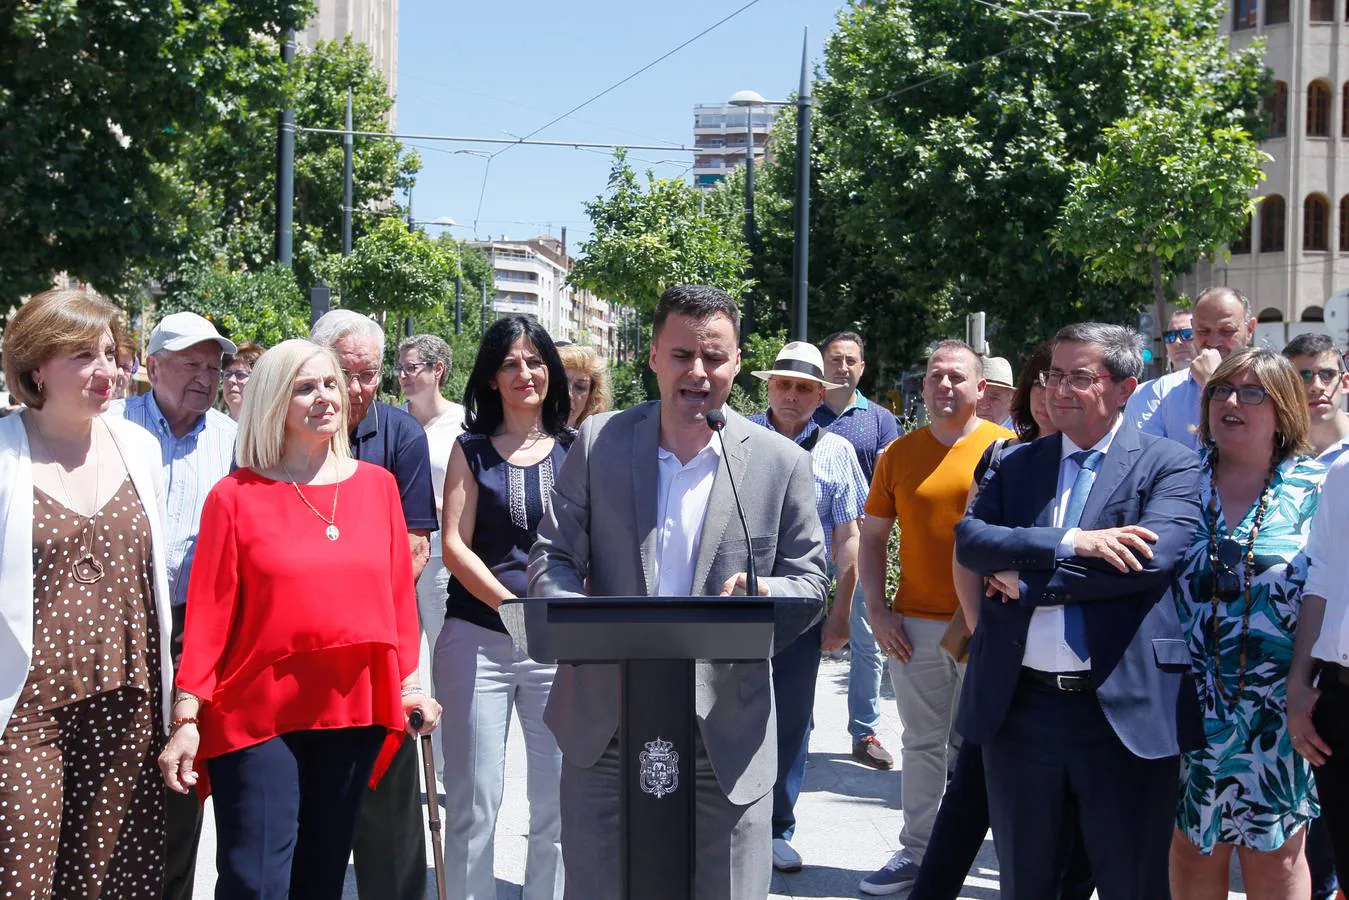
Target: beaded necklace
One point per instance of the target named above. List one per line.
(1248, 571)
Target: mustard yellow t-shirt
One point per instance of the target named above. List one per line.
(923, 484)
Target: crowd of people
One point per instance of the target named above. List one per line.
(1120, 634)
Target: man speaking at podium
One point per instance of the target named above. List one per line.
(644, 506)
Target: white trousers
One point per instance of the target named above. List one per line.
(480, 677)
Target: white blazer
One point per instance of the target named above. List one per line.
(141, 455)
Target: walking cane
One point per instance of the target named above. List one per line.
(432, 802)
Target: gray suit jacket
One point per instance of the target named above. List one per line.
(602, 526)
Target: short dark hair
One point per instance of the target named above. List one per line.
(483, 413)
(1027, 429)
(951, 344)
(697, 301)
(1311, 345)
(844, 336)
(1121, 348)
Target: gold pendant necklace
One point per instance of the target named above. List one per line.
(85, 569)
(331, 532)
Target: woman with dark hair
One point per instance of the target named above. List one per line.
(1030, 405)
(497, 489)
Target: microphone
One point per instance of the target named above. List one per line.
(716, 420)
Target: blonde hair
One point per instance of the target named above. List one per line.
(583, 359)
(1276, 375)
(52, 324)
(262, 418)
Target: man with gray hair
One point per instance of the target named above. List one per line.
(1079, 688)
(197, 446)
(1169, 406)
(390, 850)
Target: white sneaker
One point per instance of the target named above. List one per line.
(785, 859)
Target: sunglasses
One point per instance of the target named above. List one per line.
(1178, 334)
(1325, 376)
(1225, 562)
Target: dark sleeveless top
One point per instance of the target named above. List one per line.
(511, 502)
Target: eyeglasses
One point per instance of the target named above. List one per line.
(410, 368)
(1225, 563)
(1178, 334)
(1079, 381)
(1325, 376)
(369, 378)
(1247, 394)
(239, 375)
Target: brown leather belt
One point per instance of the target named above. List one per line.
(1062, 681)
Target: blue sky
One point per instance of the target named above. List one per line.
(482, 69)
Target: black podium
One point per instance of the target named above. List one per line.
(655, 641)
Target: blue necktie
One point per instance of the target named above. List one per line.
(1074, 622)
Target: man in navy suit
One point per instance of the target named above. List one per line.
(1079, 687)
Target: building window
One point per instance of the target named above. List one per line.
(1242, 245)
(1315, 223)
(1344, 224)
(1318, 109)
(1322, 11)
(1276, 107)
(1243, 14)
(1271, 224)
(1276, 12)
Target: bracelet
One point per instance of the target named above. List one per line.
(181, 721)
(412, 689)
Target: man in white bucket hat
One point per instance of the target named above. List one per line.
(796, 388)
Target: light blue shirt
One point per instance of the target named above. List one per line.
(192, 464)
(1168, 407)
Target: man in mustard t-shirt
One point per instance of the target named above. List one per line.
(921, 482)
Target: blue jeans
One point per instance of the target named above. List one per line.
(795, 669)
(864, 672)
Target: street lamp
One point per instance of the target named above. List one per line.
(749, 100)
(449, 222)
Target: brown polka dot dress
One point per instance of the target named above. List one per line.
(81, 800)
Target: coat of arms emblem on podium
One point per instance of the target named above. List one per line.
(659, 768)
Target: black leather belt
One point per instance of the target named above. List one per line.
(1063, 681)
(1332, 672)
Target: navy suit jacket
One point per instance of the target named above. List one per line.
(1140, 664)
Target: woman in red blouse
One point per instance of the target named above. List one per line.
(300, 649)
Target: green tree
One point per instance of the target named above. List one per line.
(95, 98)
(228, 169)
(646, 239)
(948, 137)
(395, 271)
(1167, 190)
(265, 306)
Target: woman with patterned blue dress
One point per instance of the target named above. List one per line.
(1239, 590)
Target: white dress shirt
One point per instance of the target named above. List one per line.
(1046, 648)
(441, 433)
(1328, 564)
(682, 494)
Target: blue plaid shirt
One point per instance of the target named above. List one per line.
(193, 464)
(867, 426)
(840, 486)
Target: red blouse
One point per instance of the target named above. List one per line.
(289, 631)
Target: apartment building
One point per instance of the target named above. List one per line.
(721, 138)
(370, 22)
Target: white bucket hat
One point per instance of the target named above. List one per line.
(798, 360)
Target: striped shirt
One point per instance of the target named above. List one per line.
(193, 464)
(840, 486)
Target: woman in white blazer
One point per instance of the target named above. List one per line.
(85, 676)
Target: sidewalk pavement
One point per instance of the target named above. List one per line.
(848, 816)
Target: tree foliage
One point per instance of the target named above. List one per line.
(948, 138)
(395, 271)
(646, 239)
(265, 306)
(96, 99)
(1166, 190)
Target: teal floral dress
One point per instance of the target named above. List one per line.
(1248, 786)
